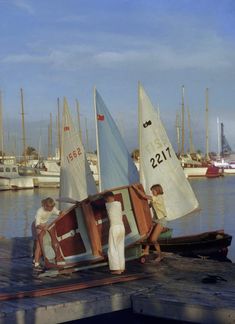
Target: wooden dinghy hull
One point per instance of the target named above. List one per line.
(80, 237)
(213, 244)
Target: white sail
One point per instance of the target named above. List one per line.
(159, 163)
(76, 180)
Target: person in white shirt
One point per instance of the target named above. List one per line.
(40, 224)
(116, 249)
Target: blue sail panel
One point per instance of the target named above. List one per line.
(115, 163)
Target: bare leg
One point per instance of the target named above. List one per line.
(146, 250)
(154, 237)
(38, 253)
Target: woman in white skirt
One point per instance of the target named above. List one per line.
(116, 254)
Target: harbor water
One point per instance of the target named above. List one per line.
(216, 198)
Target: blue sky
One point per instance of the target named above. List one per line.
(62, 48)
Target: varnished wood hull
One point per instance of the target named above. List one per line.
(204, 244)
(80, 237)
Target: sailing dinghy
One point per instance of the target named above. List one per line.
(159, 164)
(80, 236)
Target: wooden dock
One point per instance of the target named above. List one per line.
(193, 290)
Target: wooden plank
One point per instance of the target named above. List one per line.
(72, 287)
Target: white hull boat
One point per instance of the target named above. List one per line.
(10, 178)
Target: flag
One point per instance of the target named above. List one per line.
(100, 117)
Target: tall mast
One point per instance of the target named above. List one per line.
(48, 144)
(79, 119)
(50, 138)
(191, 149)
(87, 139)
(177, 125)
(1, 129)
(182, 137)
(218, 138)
(222, 139)
(23, 126)
(207, 130)
(58, 128)
(39, 143)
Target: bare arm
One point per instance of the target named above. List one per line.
(141, 193)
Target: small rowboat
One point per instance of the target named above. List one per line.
(213, 244)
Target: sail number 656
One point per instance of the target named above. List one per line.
(160, 157)
(74, 154)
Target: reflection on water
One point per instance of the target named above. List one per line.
(216, 198)
(217, 201)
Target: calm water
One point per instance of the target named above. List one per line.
(216, 198)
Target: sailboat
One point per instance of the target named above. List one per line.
(79, 237)
(159, 163)
(224, 152)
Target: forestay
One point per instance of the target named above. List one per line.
(159, 163)
(76, 179)
(116, 167)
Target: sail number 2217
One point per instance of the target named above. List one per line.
(160, 157)
(74, 154)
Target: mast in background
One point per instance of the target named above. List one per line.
(218, 138)
(191, 147)
(23, 126)
(79, 119)
(50, 138)
(182, 137)
(177, 125)
(87, 138)
(207, 127)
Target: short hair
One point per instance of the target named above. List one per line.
(48, 201)
(108, 194)
(158, 188)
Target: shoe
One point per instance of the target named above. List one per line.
(37, 267)
(116, 271)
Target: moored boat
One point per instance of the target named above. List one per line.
(214, 243)
(45, 173)
(11, 179)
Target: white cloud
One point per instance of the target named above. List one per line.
(108, 50)
(23, 5)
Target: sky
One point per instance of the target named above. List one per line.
(58, 48)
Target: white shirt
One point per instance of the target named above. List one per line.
(42, 215)
(114, 210)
